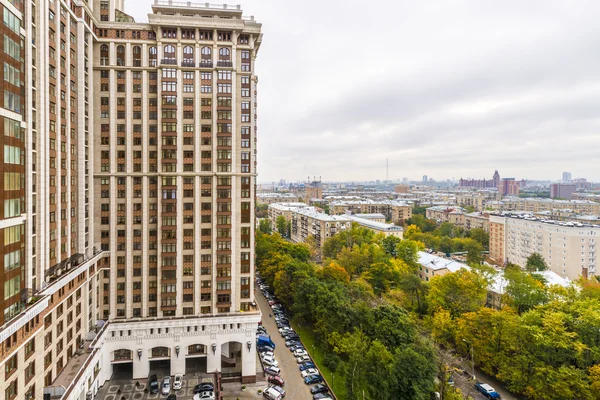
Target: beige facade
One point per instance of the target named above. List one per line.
(454, 215)
(308, 222)
(477, 220)
(538, 205)
(285, 210)
(395, 211)
(569, 249)
(270, 198)
(138, 201)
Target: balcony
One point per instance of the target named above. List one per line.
(228, 64)
(168, 61)
(205, 64)
(188, 63)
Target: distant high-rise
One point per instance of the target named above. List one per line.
(508, 187)
(481, 183)
(425, 178)
(566, 178)
(562, 191)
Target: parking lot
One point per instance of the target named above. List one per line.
(294, 384)
(116, 389)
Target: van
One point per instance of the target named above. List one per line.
(272, 394)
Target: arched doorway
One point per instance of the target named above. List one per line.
(195, 359)
(231, 359)
(160, 361)
(122, 364)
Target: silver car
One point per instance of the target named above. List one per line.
(166, 385)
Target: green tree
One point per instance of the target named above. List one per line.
(408, 251)
(458, 292)
(480, 236)
(333, 271)
(524, 291)
(282, 224)
(264, 225)
(535, 262)
(389, 244)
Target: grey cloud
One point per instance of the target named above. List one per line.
(447, 89)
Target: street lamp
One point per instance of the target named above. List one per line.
(139, 353)
(249, 344)
(472, 358)
(177, 348)
(214, 348)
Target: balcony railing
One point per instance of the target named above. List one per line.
(224, 64)
(168, 61)
(205, 64)
(188, 63)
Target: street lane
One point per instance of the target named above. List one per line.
(295, 387)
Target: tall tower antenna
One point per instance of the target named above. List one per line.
(387, 169)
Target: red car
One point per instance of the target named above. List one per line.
(276, 380)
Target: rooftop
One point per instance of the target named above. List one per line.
(313, 213)
(529, 217)
(437, 263)
(289, 206)
(380, 226)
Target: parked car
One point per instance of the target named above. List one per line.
(310, 371)
(322, 396)
(272, 371)
(290, 343)
(279, 389)
(300, 353)
(264, 348)
(166, 385)
(276, 380)
(271, 362)
(272, 394)
(284, 330)
(153, 384)
(204, 396)
(312, 379)
(296, 347)
(267, 354)
(204, 387)
(172, 397)
(320, 388)
(177, 382)
(302, 359)
(307, 365)
(487, 390)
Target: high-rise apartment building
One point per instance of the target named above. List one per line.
(562, 191)
(568, 248)
(129, 182)
(566, 177)
(508, 187)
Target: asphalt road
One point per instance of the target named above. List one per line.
(295, 387)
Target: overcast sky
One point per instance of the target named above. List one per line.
(442, 88)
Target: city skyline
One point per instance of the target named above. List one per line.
(503, 98)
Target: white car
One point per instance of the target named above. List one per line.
(166, 385)
(285, 329)
(302, 359)
(270, 362)
(204, 396)
(177, 382)
(300, 353)
(310, 371)
(267, 354)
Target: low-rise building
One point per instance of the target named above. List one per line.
(432, 265)
(568, 248)
(378, 227)
(477, 220)
(373, 217)
(308, 222)
(562, 191)
(534, 205)
(269, 198)
(497, 289)
(284, 209)
(395, 211)
(454, 215)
